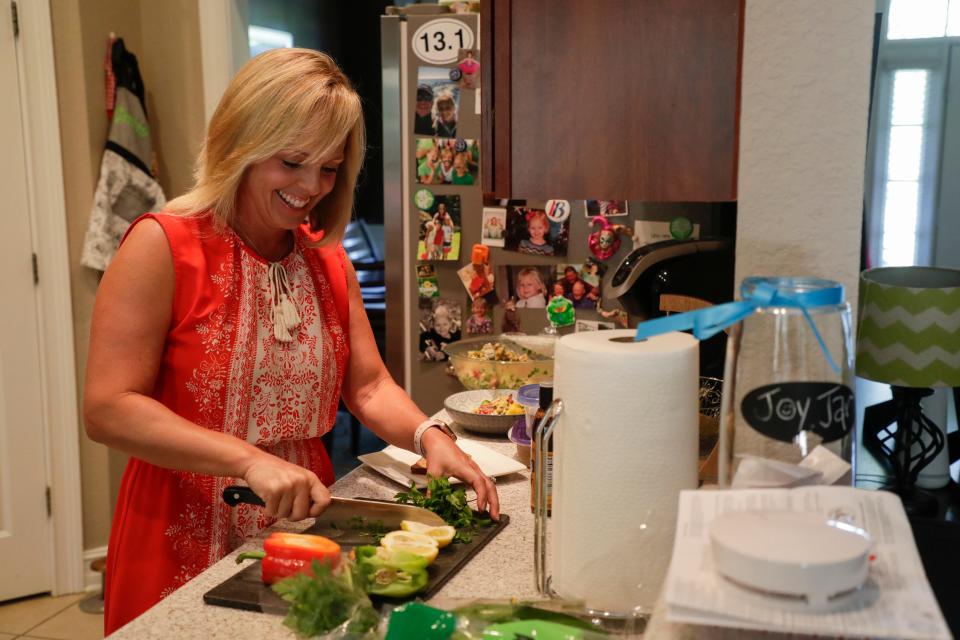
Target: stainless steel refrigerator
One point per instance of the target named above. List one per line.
(423, 49)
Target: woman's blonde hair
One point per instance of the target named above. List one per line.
(283, 99)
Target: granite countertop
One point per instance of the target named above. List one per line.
(502, 569)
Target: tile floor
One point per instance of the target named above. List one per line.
(48, 618)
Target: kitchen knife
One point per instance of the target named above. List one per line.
(341, 510)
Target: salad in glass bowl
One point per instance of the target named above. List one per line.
(502, 361)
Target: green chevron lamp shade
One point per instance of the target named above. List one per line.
(909, 328)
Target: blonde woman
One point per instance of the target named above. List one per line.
(445, 115)
(228, 327)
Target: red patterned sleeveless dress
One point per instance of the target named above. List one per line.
(223, 370)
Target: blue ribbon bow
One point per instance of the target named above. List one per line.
(710, 321)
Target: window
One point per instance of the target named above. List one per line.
(912, 19)
(904, 167)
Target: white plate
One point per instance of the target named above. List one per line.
(394, 462)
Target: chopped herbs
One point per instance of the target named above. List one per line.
(448, 503)
(327, 600)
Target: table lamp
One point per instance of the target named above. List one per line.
(908, 336)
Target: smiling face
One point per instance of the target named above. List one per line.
(446, 159)
(528, 285)
(578, 289)
(442, 323)
(447, 111)
(424, 107)
(277, 193)
(537, 229)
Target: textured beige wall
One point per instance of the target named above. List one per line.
(171, 68)
(165, 38)
(803, 125)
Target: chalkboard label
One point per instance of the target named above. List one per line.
(781, 411)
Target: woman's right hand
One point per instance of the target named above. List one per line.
(289, 490)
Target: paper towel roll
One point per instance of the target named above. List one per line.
(626, 445)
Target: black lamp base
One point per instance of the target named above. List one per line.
(905, 451)
(916, 501)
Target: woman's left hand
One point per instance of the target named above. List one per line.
(444, 458)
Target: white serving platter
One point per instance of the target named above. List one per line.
(394, 463)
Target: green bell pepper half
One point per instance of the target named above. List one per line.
(393, 574)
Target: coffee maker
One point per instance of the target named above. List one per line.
(674, 276)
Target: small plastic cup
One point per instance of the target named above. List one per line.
(529, 397)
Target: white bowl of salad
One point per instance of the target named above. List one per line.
(485, 410)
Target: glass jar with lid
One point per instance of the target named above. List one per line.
(787, 414)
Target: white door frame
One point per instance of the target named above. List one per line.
(48, 218)
(223, 46)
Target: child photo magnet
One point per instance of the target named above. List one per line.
(480, 321)
(526, 285)
(530, 231)
(493, 227)
(437, 103)
(447, 161)
(439, 326)
(439, 229)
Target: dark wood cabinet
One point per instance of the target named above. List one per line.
(618, 99)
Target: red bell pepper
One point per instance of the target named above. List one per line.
(287, 554)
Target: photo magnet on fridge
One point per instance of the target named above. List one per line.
(477, 277)
(530, 231)
(427, 284)
(593, 325)
(526, 285)
(606, 208)
(439, 326)
(447, 161)
(493, 226)
(566, 282)
(439, 229)
(480, 321)
(648, 231)
(437, 103)
(468, 68)
(592, 271)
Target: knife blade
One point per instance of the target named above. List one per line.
(341, 510)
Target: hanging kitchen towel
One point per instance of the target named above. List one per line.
(127, 187)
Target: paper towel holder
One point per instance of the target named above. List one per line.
(613, 622)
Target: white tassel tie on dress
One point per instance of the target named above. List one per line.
(286, 317)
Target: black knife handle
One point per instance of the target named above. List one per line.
(236, 494)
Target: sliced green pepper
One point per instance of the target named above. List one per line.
(389, 573)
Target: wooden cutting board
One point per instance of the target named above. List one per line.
(245, 590)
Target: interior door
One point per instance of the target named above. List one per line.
(24, 522)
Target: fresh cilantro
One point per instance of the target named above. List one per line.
(326, 600)
(448, 503)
